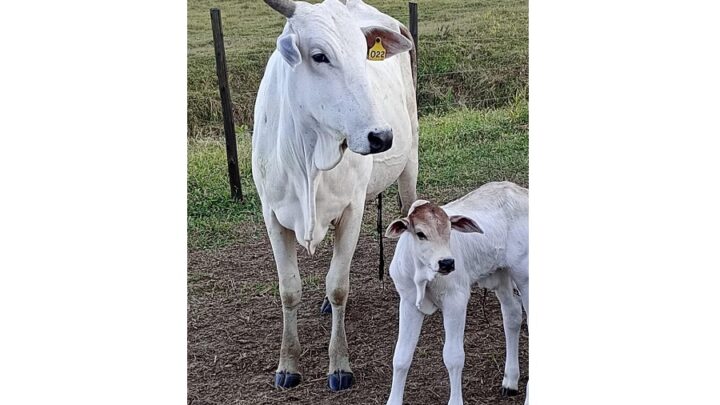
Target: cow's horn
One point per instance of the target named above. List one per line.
(284, 7)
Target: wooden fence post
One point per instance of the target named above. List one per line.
(414, 25)
(230, 142)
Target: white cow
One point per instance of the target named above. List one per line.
(489, 249)
(319, 97)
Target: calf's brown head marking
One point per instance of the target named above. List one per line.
(430, 228)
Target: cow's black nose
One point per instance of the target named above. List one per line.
(446, 265)
(380, 141)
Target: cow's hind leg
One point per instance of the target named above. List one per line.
(407, 182)
(325, 307)
(512, 320)
(290, 285)
(337, 285)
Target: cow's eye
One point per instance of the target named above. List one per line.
(320, 58)
(421, 236)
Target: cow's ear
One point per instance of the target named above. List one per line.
(396, 228)
(287, 46)
(393, 42)
(464, 224)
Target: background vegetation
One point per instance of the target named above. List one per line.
(472, 74)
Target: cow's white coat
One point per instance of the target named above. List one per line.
(497, 259)
(307, 116)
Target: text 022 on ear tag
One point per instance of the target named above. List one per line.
(377, 52)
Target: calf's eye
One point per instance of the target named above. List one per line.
(421, 236)
(320, 58)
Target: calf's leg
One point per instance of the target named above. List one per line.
(512, 320)
(410, 325)
(521, 277)
(454, 310)
(337, 286)
(290, 285)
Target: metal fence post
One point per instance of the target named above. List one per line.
(381, 264)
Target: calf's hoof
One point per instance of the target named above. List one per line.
(340, 380)
(286, 379)
(326, 308)
(508, 392)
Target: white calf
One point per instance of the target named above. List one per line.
(490, 249)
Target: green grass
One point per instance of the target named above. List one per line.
(486, 40)
(213, 217)
(459, 151)
(472, 91)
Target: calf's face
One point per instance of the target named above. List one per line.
(429, 227)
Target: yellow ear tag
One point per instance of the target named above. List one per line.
(377, 52)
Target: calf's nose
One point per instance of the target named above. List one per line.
(380, 140)
(446, 265)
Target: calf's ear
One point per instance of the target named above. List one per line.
(393, 42)
(396, 228)
(287, 46)
(464, 224)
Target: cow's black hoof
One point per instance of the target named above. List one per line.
(286, 379)
(340, 380)
(326, 308)
(508, 392)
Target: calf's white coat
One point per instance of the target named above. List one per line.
(497, 259)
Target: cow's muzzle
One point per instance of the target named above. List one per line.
(380, 141)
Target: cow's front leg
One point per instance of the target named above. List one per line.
(337, 286)
(512, 320)
(454, 309)
(290, 285)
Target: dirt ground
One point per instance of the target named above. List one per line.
(235, 324)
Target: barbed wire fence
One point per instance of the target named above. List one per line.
(458, 101)
(430, 84)
(431, 98)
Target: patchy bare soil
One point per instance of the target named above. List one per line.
(235, 324)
